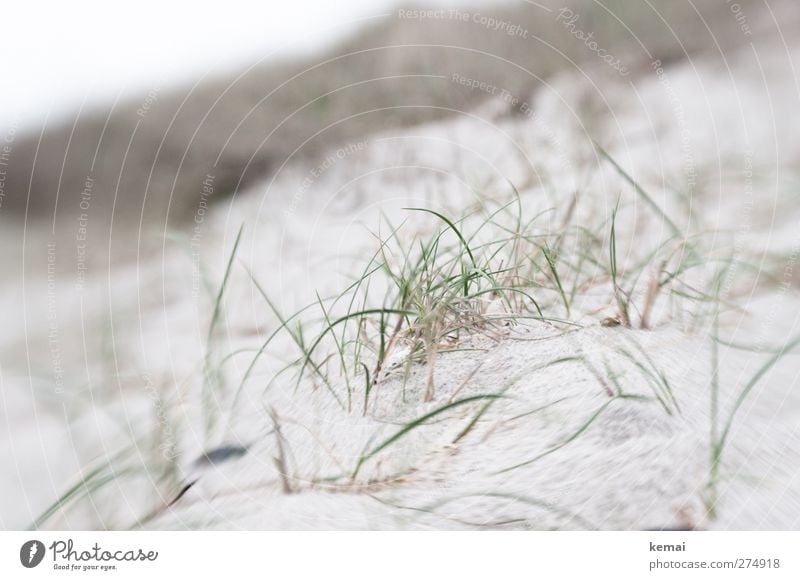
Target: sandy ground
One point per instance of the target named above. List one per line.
(713, 142)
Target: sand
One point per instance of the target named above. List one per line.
(715, 147)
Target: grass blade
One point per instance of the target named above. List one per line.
(632, 182)
(414, 424)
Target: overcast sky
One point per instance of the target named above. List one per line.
(57, 54)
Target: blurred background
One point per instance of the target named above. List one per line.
(146, 100)
(124, 124)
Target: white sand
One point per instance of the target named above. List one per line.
(634, 467)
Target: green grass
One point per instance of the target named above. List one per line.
(550, 257)
(213, 382)
(574, 436)
(527, 501)
(720, 425)
(429, 290)
(622, 301)
(106, 471)
(437, 293)
(639, 190)
(408, 428)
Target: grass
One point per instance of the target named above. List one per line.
(433, 294)
(432, 290)
(515, 499)
(639, 190)
(146, 463)
(372, 452)
(93, 480)
(550, 258)
(212, 380)
(575, 435)
(622, 301)
(720, 425)
(547, 506)
(104, 472)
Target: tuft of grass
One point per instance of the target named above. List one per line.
(437, 293)
(309, 352)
